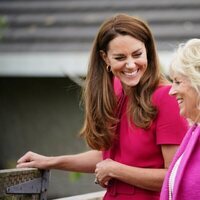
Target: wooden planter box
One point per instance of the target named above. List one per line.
(23, 184)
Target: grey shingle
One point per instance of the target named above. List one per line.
(65, 25)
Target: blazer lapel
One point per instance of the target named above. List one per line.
(192, 140)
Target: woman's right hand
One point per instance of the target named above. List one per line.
(33, 160)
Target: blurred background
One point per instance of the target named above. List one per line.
(44, 51)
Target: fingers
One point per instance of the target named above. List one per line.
(102, 183)
(29, 160)
(101, 179)
(102, 172)
(25, 158)
(25, 165)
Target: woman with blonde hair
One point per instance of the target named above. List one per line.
(182, 181)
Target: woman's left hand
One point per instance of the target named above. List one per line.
(104, 171)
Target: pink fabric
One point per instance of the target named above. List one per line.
(187, 181)
(141, 148)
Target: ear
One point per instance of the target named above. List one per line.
(104, 57)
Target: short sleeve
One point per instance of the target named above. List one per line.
(170, 125)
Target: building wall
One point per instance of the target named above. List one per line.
(43, 115)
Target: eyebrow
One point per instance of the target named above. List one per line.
(120, 54)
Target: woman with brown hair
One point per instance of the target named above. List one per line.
(131, 123)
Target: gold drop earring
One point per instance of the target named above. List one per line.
(108, 68)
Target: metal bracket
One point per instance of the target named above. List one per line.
(35, 186)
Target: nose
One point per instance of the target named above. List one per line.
(130, 63)
(172, 91)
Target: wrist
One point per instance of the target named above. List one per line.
(50, 162)
(116, 169)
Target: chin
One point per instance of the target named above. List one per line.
(131, 83)
(182, 113)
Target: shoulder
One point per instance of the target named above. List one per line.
(161, 95)
(170, 125)
(162, 90)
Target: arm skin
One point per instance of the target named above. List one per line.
(83, 162)
(146, 178)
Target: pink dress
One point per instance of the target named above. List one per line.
(141, 148)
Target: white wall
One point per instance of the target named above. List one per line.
(54, 64)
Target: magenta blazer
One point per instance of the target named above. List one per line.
(187, 182)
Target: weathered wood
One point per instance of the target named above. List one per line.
(10, 177)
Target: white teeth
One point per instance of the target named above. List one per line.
(179, 101)
(130, 73)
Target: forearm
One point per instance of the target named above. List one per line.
(150, 179)
(83, 162)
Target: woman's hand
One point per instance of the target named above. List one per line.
(104, 171)
(31, 159)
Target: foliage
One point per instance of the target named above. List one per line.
(74, 176)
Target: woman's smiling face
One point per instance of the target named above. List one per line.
(127, 58)
(186, 96)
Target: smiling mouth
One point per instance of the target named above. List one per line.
(179, 100)
(131, 74)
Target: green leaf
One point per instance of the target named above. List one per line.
(74, 176)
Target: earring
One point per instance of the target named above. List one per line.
(108, 68)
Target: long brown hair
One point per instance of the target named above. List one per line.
(99, 97)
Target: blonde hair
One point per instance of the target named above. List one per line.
(186, 61)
